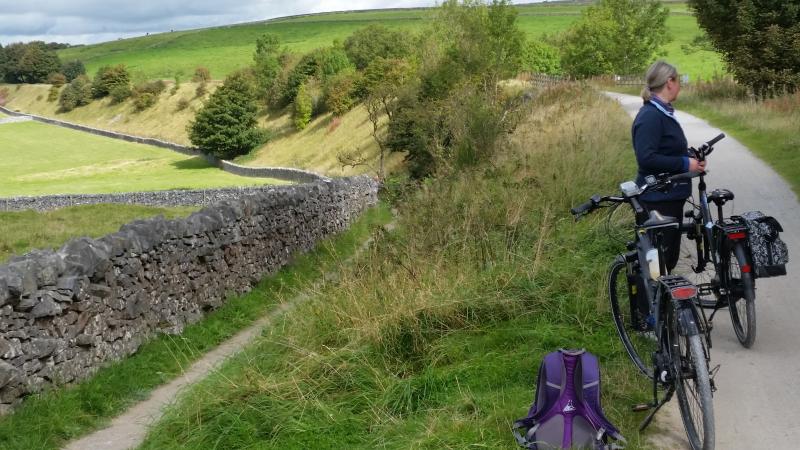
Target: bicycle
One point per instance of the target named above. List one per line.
(729, 282)
(672, 349)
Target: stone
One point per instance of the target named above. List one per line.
(5, 295)
(40, 348)
(20, 278)
(6, 349)
(84, 340)
(8, 373)
(72, 285)
(46, 307)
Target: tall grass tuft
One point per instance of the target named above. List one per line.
(431, 338)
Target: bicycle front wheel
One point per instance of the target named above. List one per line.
(693, 388)
(741, 296)
(639, 343)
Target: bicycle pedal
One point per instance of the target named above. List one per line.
(641, 407)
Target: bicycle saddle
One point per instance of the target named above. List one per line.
(720, 196)
(657, 220)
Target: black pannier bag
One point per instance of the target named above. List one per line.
(770, 253)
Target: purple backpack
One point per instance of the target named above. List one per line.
(566, 412)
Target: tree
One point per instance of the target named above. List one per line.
(376, 41)
(71, 69)
(267, 62)
(226, 125)
(383, 81)
(30, 63)
(303, 107)
(759, 40)
(341, 92)
(3, 61)
(108, 78)
(615, 37)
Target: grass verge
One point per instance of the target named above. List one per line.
(49, 419)
(768, 128)
(23, 231)
(432, 338)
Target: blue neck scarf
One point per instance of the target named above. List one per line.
(663, 106)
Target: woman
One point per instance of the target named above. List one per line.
(661, 147)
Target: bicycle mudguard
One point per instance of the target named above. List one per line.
(688, 324)
(683, 295)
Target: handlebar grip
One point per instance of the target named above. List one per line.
(716, 139)
(581, 209)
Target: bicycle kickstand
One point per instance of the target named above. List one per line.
(655, 407)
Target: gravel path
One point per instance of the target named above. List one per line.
(14, 119)
(757, 400)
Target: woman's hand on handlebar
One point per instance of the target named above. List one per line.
(697, 166)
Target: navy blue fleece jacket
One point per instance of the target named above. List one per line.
(660, 147)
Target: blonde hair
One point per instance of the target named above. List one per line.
(657, 76)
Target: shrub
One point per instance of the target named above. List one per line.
(175, 86)
(182, 104)
(120, 93)
(320, 63)
(201, 90)
(376, 41)
(155, 87)
(340, 92)
(143, 101)
(226, 125)
(303, 107)
(539, 57)
(107, 78)
(72, 69)
(57, 79)
(52, 94)
(718, 88)
(201, 75)
(77, 93)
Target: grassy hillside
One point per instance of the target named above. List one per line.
(432, 338)
(225, 49)
(38, 159)
(314, 148)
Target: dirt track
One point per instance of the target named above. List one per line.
(758, 399)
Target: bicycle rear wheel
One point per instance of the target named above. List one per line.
(639, 343)
(741, 296)
(693, 388)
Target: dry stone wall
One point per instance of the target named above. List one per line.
(65, 313)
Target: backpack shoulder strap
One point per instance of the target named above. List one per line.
(591, 396)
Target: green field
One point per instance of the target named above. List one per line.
(38, 159)
(23, 231)
(225, 49)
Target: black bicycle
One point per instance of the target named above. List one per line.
(722, 269)
(656, 315)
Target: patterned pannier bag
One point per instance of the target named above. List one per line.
(770, 253)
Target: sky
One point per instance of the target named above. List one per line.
(91, 21)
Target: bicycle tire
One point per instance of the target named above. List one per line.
(639, 347)
(741, 296)
(693, 389)
(687, 259)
